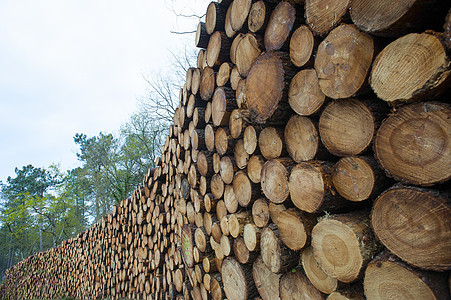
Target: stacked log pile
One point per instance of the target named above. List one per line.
(309, 158)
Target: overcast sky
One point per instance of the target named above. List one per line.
(76, 66)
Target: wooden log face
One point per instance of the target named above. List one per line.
(397, 77)
(301, 138)
(323, 15)
(239, 13)
(258, 16)
(315, 274)
(346, 127)
(246, 52)
(389, 280)
(274, 181)
(412, 145)
(415, 225)
(234, 278)
(264, 86)
(279, 27)
(304, 96)
(295, 285)
(343, 60)
(353, 178)
(267, 282)
(343, 245)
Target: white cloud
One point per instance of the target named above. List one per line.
(70, 66)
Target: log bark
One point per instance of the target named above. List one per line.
(412, 144)
(401, 18)
(415, 225)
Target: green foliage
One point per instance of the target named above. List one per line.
(39, 207)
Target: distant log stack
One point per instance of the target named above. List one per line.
(309, 158)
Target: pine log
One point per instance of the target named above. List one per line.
(266, 84)
(227, 169)
(224, 143)
(237, 279)
(217, 186)
(218, 49)
(323, 282)
(229, 199)
(202, 37)
(412, 144)
(195, 81)
(223, 75)
(311, 188)
(258, 16)
(343, 245)
(241, 253)
(274, 179)
(239, 13)
(343, 60)
(413, 67)
(215, 17)
(250, 139)
(254, 168)
(240, 154)
(323, 15)
(222, 105)
(402, 17)
(346, 127)
(251, 235)
(388, 277)
(302, 44)
(295, 285)
(187, 238)
(302, 139)
(279, 26)
(260, 212)
(295, 228)
(270, 142)
(247, 51)
(357, 178)
(228, 22)
(267, 282)
(415, 225)
(234, 46)
(276, 256)
(209, 137)
(244, 190)
(304, 96)
(207, 83)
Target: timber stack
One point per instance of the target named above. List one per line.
(309, 158)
